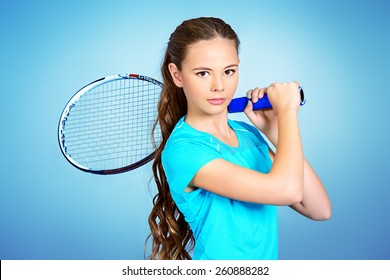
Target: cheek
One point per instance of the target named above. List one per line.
(233, 83)
(190, 89)
(194, 85)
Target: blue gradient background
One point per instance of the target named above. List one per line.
(338, 50)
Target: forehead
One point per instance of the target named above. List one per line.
(208, 52)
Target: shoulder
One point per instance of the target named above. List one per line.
(187, 143)
(184, 136)
(245, 128)
(185, 152)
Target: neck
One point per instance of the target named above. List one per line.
(215, 124)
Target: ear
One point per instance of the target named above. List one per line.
(176, 75)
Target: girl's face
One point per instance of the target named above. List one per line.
(209, 76)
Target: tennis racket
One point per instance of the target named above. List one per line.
(105, 128)
(239, 104)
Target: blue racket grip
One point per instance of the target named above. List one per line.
(238, 105)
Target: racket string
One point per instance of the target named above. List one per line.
(111, 125)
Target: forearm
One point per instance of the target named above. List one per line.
(288, 162)
(315, 202)
(272, 136)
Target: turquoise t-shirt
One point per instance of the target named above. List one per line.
(223, 228)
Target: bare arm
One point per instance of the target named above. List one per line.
(283, 184)
(315, 202)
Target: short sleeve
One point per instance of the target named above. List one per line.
(182, 158)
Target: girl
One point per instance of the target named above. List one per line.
(218, 181)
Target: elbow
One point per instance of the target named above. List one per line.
(324, 211)
(323, 214)
(294, 187)
(294, 193)
(289, 189)
(296, 197)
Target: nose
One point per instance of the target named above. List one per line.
(217, 84)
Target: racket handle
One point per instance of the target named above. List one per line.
(238, 104)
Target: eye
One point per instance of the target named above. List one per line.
(203, 74)
(230, 72)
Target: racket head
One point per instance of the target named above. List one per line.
(106, 127)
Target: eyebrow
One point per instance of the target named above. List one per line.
(209, 69)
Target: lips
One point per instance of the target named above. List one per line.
(216, 101)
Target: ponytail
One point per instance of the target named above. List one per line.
(171, 233)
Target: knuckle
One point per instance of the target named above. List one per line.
(295, 83)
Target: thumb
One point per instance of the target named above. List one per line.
(249, 111)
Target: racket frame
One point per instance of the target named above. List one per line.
(72, 102)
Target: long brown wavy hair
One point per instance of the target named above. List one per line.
(171, 234)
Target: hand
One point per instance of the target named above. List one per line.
(265, 120)
(282, 96)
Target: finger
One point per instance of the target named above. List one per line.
(262, 91)
(296, 82)
(255, 95)
(272, 85)
(249, 111)
(249, 94)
